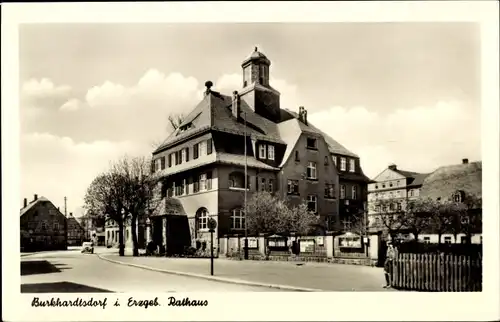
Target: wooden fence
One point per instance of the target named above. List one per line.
(437, 272)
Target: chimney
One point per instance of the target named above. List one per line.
(35, 198)
(393, 167)
(208, 85)
(303, 115)
(465, 161)
(236, 107)
(25, 202)
(71, 214)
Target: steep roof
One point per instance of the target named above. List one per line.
(418, 179)
(72, 221)
(334, 146)
(447, 180)
(32, 204)
(214, 112)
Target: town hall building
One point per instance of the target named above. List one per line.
(202, 163)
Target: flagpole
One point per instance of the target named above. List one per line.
(246, 188)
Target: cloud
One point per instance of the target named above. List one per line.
(419, 138)
(71, 105)
(43, 94)
(55, 167)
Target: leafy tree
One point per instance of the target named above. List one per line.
(271, 214)
(417, 216)
(390, 215)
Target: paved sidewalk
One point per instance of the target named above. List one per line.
(322, 276)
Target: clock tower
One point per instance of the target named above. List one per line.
(257, 93)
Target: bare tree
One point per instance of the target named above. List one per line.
(175, 120)
(391, 215)
(417, 216)
(105, 196)
(139, 186)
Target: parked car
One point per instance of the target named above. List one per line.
(88, 247)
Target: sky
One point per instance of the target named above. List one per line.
(403, 93)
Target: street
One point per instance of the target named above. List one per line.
(73, 272)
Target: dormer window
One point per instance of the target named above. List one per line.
(312, 143)
(262, 151)
(270, 152)
(343, 164)
(297, 158)
(184, 128)
(352, 165)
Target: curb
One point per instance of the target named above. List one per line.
(213, 278)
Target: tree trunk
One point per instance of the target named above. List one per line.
(121, 245)
(133, 227)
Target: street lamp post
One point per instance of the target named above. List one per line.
(212, 224)
(245, 192)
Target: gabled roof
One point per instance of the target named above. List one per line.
(334, 146)
(32, 204)
(447, 180)
(418, 179)
(72, 220)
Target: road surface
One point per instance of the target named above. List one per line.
(72, 271)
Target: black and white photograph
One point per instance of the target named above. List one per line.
(268, 156)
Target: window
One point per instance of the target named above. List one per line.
(170, 160)
(209, 146)
(392, 206)
(157, 165)
(196, 184)
(203, 148)
(447, 240)
(262, 184)
(262, 151)
(297, 156)
(390, 184)
(271, 185)
(427, 240)
(180, 188)
(383, 185)
(334, 160)
(270, 152)
(236, 180)
(458, 197)
(464, 220)
(342, 164)
(378, 208)
(352, 165)
(202, 219)
(329, 191)
(56, 226)
(354, 193)
(293, 187)
(312, 203)
(178, 157)
(196, 151)
(326, 160)
(44, 226)
(376, 187)
(411, 193)
(311, 170)
(162, 163)
(246, 76)
(237, 219)
(203, 182)
(187, 154)
(209, 180)
(311, 143)
(400, 206)
(342, 191)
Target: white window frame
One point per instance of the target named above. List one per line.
(290, 184)
(342, 191)
(427, 239)
(354, 192)
(203, 148)
(262, 151)
(237, 217)
(203, 182)
(270, 152)
(313, 198)
(352, 165)
(183, 155)
(343, 164)
(312, 170)
(334, 158)
(447, 240)
(203, 220)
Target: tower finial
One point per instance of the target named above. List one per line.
(256, 49)
(208, 84)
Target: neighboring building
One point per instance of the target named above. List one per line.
(203, 162)
(43, 226)
(76, 233)
(456, 183)
(111, 234)
(393, 184)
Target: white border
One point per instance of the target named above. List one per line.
(302, 306)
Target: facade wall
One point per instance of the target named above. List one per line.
(43, 227)
(326, 174)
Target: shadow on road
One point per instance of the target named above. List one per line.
(41, 267)
(60, 287)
